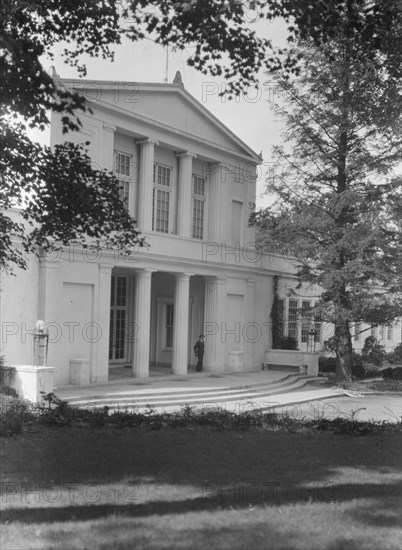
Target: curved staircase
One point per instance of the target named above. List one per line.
(200, 393)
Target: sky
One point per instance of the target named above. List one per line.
(249, 116)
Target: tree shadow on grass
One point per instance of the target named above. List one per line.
(302, 466)
(380, 506)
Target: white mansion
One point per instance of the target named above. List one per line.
(189, 182)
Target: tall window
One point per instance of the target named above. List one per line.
(169, 325)
(356, 337)
(381, 332)
(122, 168)
(118, 318)
(292, 318)
(317, 328)
(161, 198)
(373, 332)
(389, 332)
(198, 207)
(305, 321)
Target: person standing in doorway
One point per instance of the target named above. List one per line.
(199, 352)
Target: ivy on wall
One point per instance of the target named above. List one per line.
(275, 316)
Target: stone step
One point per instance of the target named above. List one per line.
(188, 397)
(145, 393)
(287, 402)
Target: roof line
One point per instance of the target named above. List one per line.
(114, 84)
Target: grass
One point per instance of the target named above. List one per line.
(148, 486)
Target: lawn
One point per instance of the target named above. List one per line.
(123, 488)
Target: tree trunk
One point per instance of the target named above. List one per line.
(344, 357)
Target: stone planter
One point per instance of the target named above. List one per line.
(293, 358)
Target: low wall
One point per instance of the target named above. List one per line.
(293, 358)
(29, 381)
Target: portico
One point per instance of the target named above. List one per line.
(156, 317)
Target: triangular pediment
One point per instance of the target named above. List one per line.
(168, 105)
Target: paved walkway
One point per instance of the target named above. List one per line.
(378, 407)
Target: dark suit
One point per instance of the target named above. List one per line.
(199, 351)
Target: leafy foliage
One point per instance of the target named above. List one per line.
(336, 190)
(287, 342)
(17, 415)
(64, 199)
(221, 31)
(392, 373)
(6, 374)
(277, 322)
(61, 211)
(373, 350)
(330, 345)
(395, 356)
(327, 364)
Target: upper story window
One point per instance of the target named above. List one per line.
(237, 221)
(161, 198)
(198, 207)
(122, 169)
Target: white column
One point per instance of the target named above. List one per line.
(184, 203)
(142, 323)
(100, 366)
(107, 152)
(180, 323)
(146, 184)
(217, 206)
(214, 317)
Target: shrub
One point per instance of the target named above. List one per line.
(371, 371)
(373, 350)
(8, 390)
(327, 364)
(358, 370)
(14, 413)
(330, 345)
(287, 342)
(395, 356)
(6, 372)
(392, 373)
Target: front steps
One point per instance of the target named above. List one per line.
(264, 395)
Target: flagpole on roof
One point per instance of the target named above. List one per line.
(166, 62)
